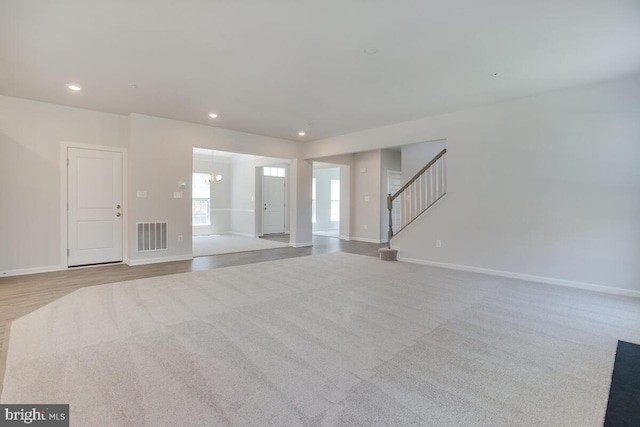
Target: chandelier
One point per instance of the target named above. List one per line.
(213, 177)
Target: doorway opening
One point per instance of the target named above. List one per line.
(228, 202)
(325, 200)
(274, 200)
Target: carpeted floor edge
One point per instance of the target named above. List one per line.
(623, 408)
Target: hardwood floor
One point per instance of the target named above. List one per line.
(20, 295)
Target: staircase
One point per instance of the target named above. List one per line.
(420, 193)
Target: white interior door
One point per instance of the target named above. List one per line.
(273, 201)
(94, 195)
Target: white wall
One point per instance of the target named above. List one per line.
(243, 206)
(161, 156)
(30, 171)
(346, 178)
(416, 156)
(300, 194)
(365, 202)
(366, 198)
(546, 186)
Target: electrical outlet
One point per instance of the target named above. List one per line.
(365, 226)
(438, 243)
(177, 194)
(180, 238)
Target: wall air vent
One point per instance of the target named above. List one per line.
(152, 236)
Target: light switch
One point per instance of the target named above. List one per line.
(177, 194)
(367, 198)
(141, 193)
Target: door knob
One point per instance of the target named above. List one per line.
(118, 214)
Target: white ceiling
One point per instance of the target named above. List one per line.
(275, 67)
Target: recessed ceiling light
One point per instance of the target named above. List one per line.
(301, 133)
(370, 50)
(74, 87)
(213, 115)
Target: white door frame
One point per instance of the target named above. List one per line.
(64, 146)
(284, 208)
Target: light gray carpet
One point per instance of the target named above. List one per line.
(334, 339)
(230, 243)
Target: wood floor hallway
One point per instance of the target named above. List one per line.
(20, 295)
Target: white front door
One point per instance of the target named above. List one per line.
(273, 201)
(94, 195)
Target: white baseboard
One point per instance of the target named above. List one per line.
(35, 270)
(301, 245)
(242, 234)
(208, 232)
(344, 238)
(133, 262)
(366, 240)
(213, 233)
(529, 277)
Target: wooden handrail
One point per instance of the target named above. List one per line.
(416, 176)
(391, 198)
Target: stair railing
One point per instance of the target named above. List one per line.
(420, 193)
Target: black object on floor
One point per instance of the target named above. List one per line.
(623, 408)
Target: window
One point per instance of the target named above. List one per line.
(313, 200)
(335, 200)
(269, 171)
(200, 201)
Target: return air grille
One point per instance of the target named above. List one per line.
(152, 236)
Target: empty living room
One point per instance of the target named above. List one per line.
(423, 213)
